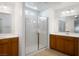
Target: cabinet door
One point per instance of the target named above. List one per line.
(52, 41)
(4, 47)
(70, 45)
(60, 43)
(76, 46)
(14, 48)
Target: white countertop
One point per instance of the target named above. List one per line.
(67, 34)
(2, 36)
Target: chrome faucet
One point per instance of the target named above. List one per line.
(67, 32)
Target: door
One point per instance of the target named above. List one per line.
(43, 32)
(31, 34)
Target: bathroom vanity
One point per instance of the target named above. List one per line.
(67, 44)
(8, 45)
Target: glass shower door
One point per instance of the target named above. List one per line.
(43, 32)
(31, 34)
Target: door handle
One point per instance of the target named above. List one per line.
(38, 39)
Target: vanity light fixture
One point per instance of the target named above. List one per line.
(65, 12)
(68, 12)
(4, 7)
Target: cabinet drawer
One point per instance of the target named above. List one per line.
(69, 38)
(3, 41)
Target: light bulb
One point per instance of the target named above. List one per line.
(67, 11)
(75, 16)
(63, 13)
(72, 11)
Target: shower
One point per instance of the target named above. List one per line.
(36, 31)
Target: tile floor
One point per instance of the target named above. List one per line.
(48, 52)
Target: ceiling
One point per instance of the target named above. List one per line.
(45, 5)
(42, 5)
(9, 4)
(7, 7)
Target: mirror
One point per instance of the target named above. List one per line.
(69, 24)
(61, 25)
(76, 24)
(5, 23)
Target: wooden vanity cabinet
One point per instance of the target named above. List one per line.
(68, 45)
(9, 47)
